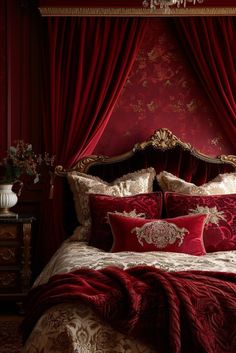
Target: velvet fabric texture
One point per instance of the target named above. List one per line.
(175, 312)
(147, 205)
(89, 61)
(180, 234)
(220, 229)
(174, 160)
(86, 65)
(209, 43)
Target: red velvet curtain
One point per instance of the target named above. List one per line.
(88, 62)
(211, 45)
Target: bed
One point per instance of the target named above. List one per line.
(150, 264)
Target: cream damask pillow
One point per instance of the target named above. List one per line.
(221, 185)
(82, 184)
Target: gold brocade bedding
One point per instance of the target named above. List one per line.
(70, 328)
(74, 328)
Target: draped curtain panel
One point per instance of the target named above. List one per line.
(210, 43)
(87, 63)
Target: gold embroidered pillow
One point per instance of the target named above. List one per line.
(146, 205)
(82, 184)
(220, 229)
(181, 234)
(221, 185)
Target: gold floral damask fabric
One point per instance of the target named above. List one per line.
(74, 328)
(81, 184)
(221, 185)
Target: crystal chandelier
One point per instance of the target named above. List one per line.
(165, 4)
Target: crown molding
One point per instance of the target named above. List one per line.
(132, 12)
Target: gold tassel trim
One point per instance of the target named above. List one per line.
(51, 191)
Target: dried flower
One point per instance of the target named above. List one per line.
(21, 160)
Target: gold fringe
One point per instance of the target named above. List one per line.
(102, 11)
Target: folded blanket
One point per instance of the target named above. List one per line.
(177, 312)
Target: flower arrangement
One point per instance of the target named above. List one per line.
(21, 160)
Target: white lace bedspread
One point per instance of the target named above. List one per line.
(74, 255)
(74, 328)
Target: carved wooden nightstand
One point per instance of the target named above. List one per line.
(15, 258)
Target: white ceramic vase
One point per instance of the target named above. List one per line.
(8, 199)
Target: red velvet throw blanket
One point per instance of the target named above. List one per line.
(176, 312)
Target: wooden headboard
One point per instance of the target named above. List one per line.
(163, 151)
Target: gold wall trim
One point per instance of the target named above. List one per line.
(98, 11)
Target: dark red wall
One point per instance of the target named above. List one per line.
(20, 73)
(163, 91)
(3, 75)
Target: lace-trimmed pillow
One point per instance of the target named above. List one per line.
(221, 185)
(82, 184)
(180, 235)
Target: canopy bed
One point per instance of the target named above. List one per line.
(150, 262)
(81, 95)
(150, 265)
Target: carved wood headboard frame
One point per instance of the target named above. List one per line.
(162, 139)
(163, 145)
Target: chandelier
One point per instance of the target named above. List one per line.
(165, 4)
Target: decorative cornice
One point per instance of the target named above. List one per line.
(141, 12)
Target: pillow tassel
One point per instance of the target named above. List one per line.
(51, 191)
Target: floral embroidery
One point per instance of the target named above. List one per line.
(66, 259)
(160, 233)
(213, 215)
(82, 184)
(131, 214)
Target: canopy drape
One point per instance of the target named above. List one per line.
(211, 45)
(87, 63)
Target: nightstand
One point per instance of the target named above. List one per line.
(15, 257)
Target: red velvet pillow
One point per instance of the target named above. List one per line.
(147, 205)
(220, 229)
(181, 234)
